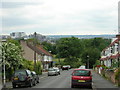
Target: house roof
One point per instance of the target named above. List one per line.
(39, 49)
(43, 50)
(116, 41)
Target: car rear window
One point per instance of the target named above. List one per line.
(81, 73)
(51, 69)
(22, 72)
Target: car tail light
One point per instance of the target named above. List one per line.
(74, 78)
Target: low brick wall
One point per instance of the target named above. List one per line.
(110, 75)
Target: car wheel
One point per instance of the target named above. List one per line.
(72, 86)
(35, 83)
(38, 81)
(19, 86)
(90, 86)
(14, 86)
(31, 83)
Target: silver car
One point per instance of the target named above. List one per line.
(57, 70)
(52, 71)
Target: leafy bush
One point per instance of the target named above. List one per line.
(38, 68)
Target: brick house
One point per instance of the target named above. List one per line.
(41, 54)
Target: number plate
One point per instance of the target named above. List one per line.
(81, 80)
(15, 78)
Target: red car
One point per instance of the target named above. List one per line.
(81, 77)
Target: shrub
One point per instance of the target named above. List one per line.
(38, 68)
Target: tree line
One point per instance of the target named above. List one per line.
(76, 52)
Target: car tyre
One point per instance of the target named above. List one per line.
(90, 87)
(38, 81)
(35, 83)
(31, 83)
(72, 86)
(19, 86)
(14, 86)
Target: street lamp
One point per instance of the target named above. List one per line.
(88, 61)
(49, 61)
(35, 51)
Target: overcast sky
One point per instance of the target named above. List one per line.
(59, 17)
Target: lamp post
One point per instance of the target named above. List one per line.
(35, 51)
(49, 61)
(87, 61)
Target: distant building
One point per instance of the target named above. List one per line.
(15, 35)
(4, 37)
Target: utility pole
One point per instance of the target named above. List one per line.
(35, 51)
(87, 61)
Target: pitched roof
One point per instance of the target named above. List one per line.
(39, 49)
(43, 50)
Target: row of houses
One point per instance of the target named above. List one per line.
(41, 54)
(110, 56)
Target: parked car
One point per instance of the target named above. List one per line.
(82, 67)
(65, 67)
(22, 77)
(69, 66)
(35, 77)
(81, 77)
(52, 71)
(57, 70)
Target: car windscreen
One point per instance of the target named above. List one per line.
(81, 73)
(51, 70)
(22, 72)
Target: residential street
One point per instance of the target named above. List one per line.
(64, 81)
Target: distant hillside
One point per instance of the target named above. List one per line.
(82, 36)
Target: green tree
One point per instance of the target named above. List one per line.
(11, 54)
(69, 48)
(93, 53)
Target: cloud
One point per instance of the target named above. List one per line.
(60, 16)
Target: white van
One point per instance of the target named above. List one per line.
(82, 67)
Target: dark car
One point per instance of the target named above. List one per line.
(65, 67)
(35, 77)
(81, 77)
(22, 78)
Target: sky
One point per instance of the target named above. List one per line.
(59, 17)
